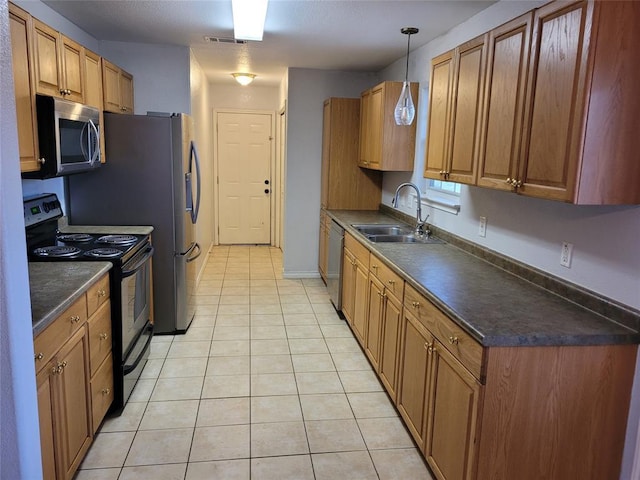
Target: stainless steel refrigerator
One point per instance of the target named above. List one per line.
(151, 177)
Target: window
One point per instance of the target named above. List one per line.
(443, 196)
(449, 188)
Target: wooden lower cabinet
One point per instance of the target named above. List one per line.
(414, 375)
(452, 418)
(74, 378)
(355, 284)
(65, 380)
(475, 412)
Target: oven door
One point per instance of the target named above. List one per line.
(135, 294)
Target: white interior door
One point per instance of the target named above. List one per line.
(244, 178)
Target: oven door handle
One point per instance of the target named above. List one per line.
(139, 264)
(130, 368)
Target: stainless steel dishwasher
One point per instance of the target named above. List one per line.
(334, 264)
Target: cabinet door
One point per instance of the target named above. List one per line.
(348, 284)
(454, 400)
(323, 247)
(555, 100)
(439, 111)
(126, 92)
(111, 87)
(360, 301)
(74, 403)
(365, 134)
(93, 79)
(375, 312)
(73, 70)
(389, 343)
(414, 375)
(375, 132)
(467, 95)
(46, 422)
(508, 58)
(20, 23)
(46, 59)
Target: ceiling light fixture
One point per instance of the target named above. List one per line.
(243, 79)
(405, 110)
(248, 19)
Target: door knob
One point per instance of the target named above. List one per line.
(266, 182)
(266, 190)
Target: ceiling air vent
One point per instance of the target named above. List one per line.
(211, 39)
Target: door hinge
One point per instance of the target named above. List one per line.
(270, 138)
(217, 180)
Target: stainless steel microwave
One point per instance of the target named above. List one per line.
(68, 137)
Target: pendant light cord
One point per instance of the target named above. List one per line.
(406, 74)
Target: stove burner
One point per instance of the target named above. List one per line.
(118, 239)
(56, 251)
(75, 237)
(103, 253)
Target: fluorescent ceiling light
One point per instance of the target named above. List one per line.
(248, 19)
(244, 79)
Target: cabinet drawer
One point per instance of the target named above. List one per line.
(97, 294)
(391, 280)
(99, 336)
(101, 391)
(467, 350)
(47, 343)
(359, 250)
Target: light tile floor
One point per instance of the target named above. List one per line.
(268, 383)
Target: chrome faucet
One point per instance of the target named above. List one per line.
(420, 224)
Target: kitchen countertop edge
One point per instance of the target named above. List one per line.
(501, 340)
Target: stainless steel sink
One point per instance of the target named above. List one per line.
(392, 234)
(383, 229)
(406, 238)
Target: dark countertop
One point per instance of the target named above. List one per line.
(56, 285)
(496, 307)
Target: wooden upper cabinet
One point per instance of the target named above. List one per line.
(93, 79)
(344, 185)
(582, 102)
(58, 63)
(384, 145)
(21, 28)
(118, 88)
(457, 80)
(507, 62)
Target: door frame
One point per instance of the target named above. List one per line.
(275, 184)
(281, 142)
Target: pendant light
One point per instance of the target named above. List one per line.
(405, 110)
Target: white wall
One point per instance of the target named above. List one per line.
(605, 239)
(201, 113)
(251, 97)
(160, 74)
(307, 90)
(19, 431)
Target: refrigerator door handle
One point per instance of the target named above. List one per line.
(191, 248)
(191, 259)
(189, 193)
(193, 158)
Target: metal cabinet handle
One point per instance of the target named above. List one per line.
(106, 391)
(453, 340)
(391, 282)
(508, 180)
(103, 336)
(102, 293)
(429, 348)
(75, 318)
(415, 304)
(42, 161)
(39, 356)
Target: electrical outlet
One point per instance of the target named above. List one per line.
(482, 227)
(565, 254)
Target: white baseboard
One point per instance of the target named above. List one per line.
(293, 275)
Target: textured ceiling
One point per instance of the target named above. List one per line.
(359, 35)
